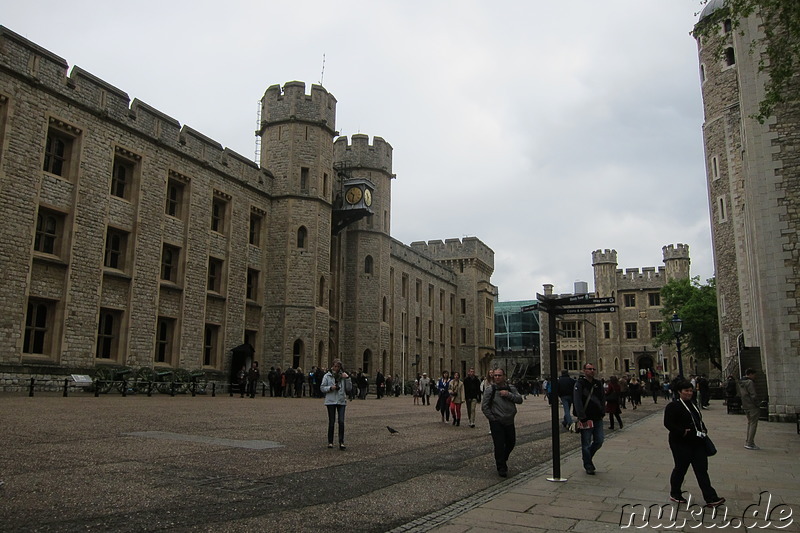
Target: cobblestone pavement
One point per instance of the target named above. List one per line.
(239, 464)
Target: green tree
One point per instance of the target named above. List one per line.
(696, 305)
(780, 21)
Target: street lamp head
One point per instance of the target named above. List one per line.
(676, 324)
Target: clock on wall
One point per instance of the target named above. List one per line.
(367, 197)
(353, 195)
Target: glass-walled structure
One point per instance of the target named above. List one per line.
(516, 338)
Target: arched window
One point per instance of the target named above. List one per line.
(302, 235)
(366, 359)
(368, 265)
(297, 353)
(601, 367)
(616, 364)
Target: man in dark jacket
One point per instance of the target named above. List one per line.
(472, 393)
(589, 404)
(566, 387)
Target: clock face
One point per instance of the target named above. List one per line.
(367, 197)
(353, 195)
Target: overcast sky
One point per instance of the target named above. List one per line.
(546, 129)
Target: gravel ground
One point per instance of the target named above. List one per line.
(241, 464)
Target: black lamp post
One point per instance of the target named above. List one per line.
(677, 324)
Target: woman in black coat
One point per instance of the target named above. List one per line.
(686, 440)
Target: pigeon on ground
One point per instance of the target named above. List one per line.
(392, 430)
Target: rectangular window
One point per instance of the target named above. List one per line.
(441, 300)
(463, 335)
(255, 229)
(631, 330)
(39, 321)
(165, 333)
(570, 359)
(418, 290)
(304, 179)
(655, 329)
(417, 327)
(654, 299)
(630, 300)
(430, 330)
(489, 308)
(170, 262)
(123, 173)
(116, 252)
(215, 275)
(489, 337)
(175, 193)
(570, 330)
(714, 168)
(463, 306)
(210, 338)
(49, 232)
(219, 209)
(108, 328)
(252, 284)
(606, 330)
(452, 304)
(404, 287)
(430, 296)
(59, 150)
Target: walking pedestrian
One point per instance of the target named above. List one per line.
(335, 386)
(499, 405)
(747, 390)
(456, 388)
(612, 402)
(686, 441)
(589, 405)
(472, 394)
(566, 385)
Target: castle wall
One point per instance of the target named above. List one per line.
(117, 214)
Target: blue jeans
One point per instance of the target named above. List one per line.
(333, 410)
(566, 401)
(591, 441)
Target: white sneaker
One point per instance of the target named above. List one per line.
(753, 447)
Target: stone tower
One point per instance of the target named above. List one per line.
(604, 263)
(365, 249)
(297, 131)
(676, 260)
(753, 172)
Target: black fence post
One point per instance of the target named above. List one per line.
(230, 389)
(66, 386)
(172, 389)
(214, 389)
(96, 388)
(149, 389)
(194, 388)
(124, 387)
(30, 389)
(263, 389)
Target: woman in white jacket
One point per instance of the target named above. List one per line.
(335, 385)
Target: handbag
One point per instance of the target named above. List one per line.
(589, 424)
(711, 450)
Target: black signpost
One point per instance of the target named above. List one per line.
(554, 307)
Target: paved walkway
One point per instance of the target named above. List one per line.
(762, 487)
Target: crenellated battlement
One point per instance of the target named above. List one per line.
(679, 251)
(37, 66)
(360, 153)
(604, 256)
(450, 249)
(292, 103)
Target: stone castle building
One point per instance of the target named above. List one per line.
(753, 172)
(621, 342)
(130, 240)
